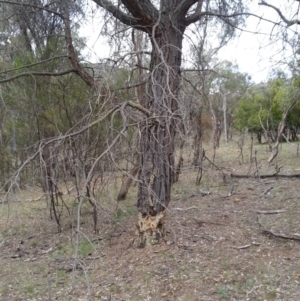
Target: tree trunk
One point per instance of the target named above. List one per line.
(157, 133)
(128, 181)
(224, 99)
(259, 136)
(281, 127)
(198, 138)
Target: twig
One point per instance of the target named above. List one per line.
(247, 246)
(270, 211)
(268, 190)
(184, 209)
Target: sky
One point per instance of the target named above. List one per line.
(253, 50)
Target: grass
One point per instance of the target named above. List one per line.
(224, 292)
(30, 289)
(85, 248)
(197, 262)
(124, 213)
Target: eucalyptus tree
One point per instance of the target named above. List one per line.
(270, 109)
(39, 92)
(204, 70)
(228, 86)
(165, 23)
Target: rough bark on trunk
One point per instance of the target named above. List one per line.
(157, 133)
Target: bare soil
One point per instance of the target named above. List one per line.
(216, 246)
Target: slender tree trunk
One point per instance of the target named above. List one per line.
(138, 41)
(225, 117)
(281, 127)
(129, 180)
(198, 138)
(157, 133)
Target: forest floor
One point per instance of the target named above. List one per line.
(218, 246)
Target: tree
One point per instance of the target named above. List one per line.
(269, 109)
(206, 68)
(247, 114)
(227, 87)
(165, 23)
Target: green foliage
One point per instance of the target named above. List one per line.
(84, 248)
(30, 289)
(247, 114)
(224, 292)
(121, 214)
(263, 106)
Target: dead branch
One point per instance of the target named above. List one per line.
(184, 209)
(54, 74)
(281, 15)
(274, 150)
(268, 190)
(274, 175)
(271, 233)
(247, 246)
(270, 211)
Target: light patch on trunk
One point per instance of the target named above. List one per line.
(150, 230)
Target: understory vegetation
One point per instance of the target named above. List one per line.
(159, 171)
(217, 245)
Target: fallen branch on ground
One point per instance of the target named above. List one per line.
(275, 175)
(247, 246)
(268, 190)
(184, 209)
(292, 236)
(270, 211)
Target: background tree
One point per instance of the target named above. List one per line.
(262, 108)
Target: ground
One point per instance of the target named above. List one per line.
(216, 246)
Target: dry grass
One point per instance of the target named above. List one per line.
(214, 250)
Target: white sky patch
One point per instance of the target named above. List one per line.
(254, 51)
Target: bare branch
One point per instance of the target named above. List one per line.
(143, 10)
(198, 15)
(34, 64)
(184, 7)
(140, 108)
(86, 77)
(283, 18)
(45, 8)
(37, 74)
(117, 13)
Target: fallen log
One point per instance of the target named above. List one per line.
(275, 175)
